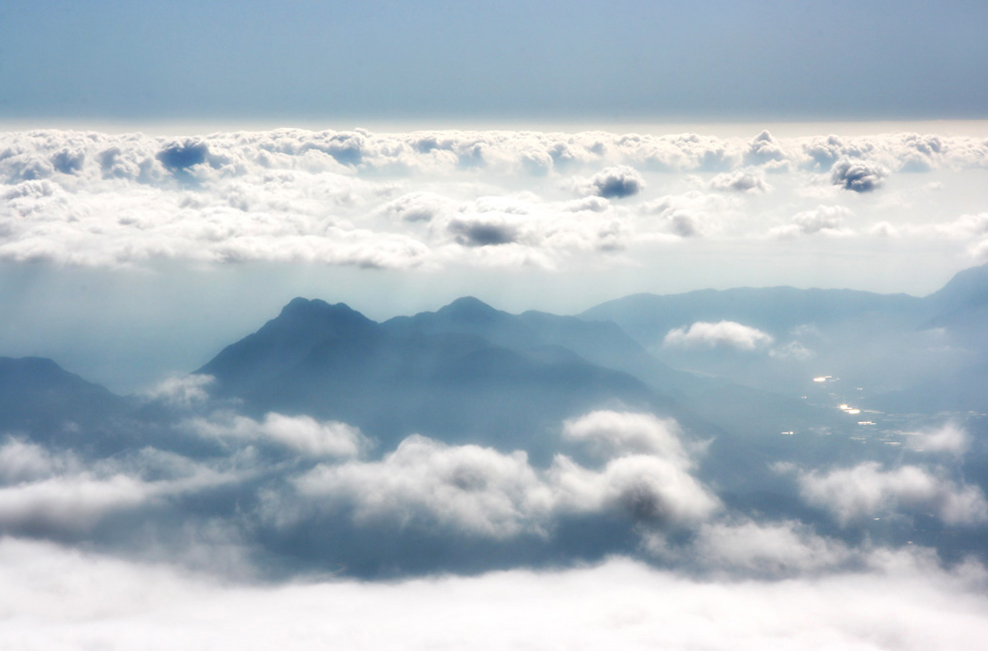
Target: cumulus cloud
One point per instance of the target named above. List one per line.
(766, 151)
(614, 183)
(712, 335)
(417, 207)
(398, 201)
(740, 181)
(470, 488)
(950, 439)
(484, 492)
(867, 490)
(858, 175)
(655, 490)
(610, 434)
(301, 434)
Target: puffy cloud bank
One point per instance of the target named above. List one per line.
(645, 474)
(431, 199)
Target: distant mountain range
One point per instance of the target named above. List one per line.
(471, 373)
(467, 373)
(906, 353)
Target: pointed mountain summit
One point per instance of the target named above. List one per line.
(467, 372)
(283, 342)
(468, 308)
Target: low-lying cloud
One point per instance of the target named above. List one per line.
(484, 492)
(55, 597)
(729, 334)
(301, 434)
(867, 490)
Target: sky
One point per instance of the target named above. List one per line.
(172, 174)
(437, 60)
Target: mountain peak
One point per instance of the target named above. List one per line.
(282, 342)
(468, 307)
(314, 307)
(313, 319)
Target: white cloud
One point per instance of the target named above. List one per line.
(740, 181)
(55, 597)
(47, 492)
(774, 548)
(712, 335)
(71, 503)
(611, 434)
(414, 200)
(488, 493)
(302, 434)
(949, 439)
(471, 488)
(866, 490)
(965, 226)
(764, 149)
(417, 207)
(653, 489)
(182, 391)
(23, 461)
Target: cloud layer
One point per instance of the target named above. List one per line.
(431, 199)
(56, 597)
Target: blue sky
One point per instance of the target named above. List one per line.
(623, 60)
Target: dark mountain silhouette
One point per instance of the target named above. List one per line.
(465, 373)
(40, 399)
